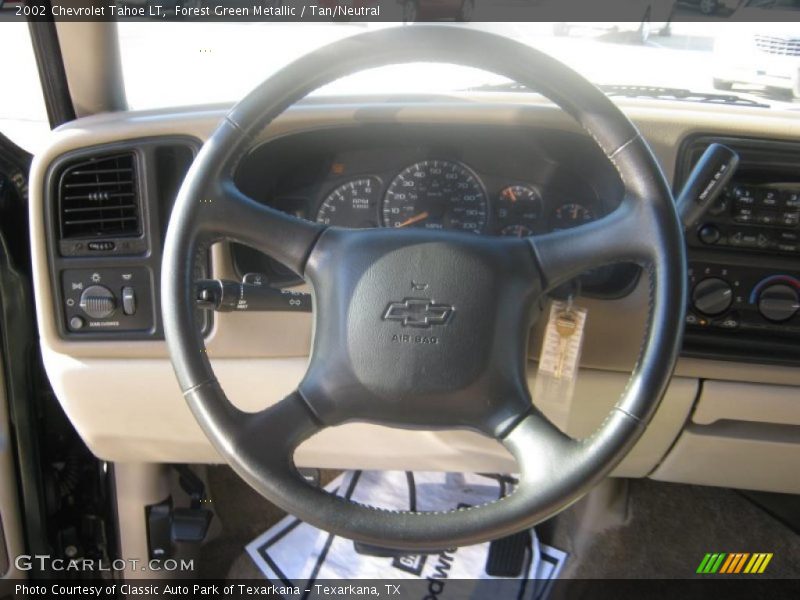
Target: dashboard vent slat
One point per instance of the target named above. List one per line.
(98, 197)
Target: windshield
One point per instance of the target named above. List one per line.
(186, 63)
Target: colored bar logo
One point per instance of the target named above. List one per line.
(735, 563)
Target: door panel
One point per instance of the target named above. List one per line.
(10, 520)
(15, 342)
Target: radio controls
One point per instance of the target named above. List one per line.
(712, 296)
(76, 323)
(778, 302)
(98, 302)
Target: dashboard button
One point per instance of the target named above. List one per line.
(708, 234)
(743, 240)
(76, 323)
(767, 218)
(791, 200)
(769, 199)
(790, 218)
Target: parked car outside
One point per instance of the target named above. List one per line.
(761, 53)
(656, 16)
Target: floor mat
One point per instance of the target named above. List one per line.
(663, 531)
(292, 551)
(667, 530)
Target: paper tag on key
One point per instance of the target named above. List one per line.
(559, 360)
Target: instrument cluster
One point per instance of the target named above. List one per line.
(448, 194)
(477, 179)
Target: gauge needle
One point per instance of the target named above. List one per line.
(415, 219)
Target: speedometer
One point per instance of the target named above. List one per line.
(436, 194)
(353, 204)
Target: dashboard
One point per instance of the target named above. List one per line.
(476, 180)
(729, 416)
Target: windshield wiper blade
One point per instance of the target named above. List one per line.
(509, 86)
(668, 93)
(641, 91)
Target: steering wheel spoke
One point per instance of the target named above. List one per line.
(230, 213)
(621, 236)
(271, 436)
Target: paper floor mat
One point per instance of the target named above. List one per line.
(295, 553)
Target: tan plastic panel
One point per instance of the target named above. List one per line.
(724, 400)
(138, 485)
(132, 423)
(131, 409)
(89, 50)
(736, 455)
(743, 435)
(9, 503)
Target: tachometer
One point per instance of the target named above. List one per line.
(353, 205)
(436, 194)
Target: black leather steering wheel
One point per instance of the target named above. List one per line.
(365, 364)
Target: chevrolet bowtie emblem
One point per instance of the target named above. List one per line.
(418, 312)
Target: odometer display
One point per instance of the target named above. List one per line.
(353, 205)
(436, 194)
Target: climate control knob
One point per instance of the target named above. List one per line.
(712, 296)
(98, 302)
(778, 302)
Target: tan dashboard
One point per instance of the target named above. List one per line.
(124, 401)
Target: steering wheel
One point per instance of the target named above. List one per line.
(424, 329)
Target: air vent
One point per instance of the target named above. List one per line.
(98, 197)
